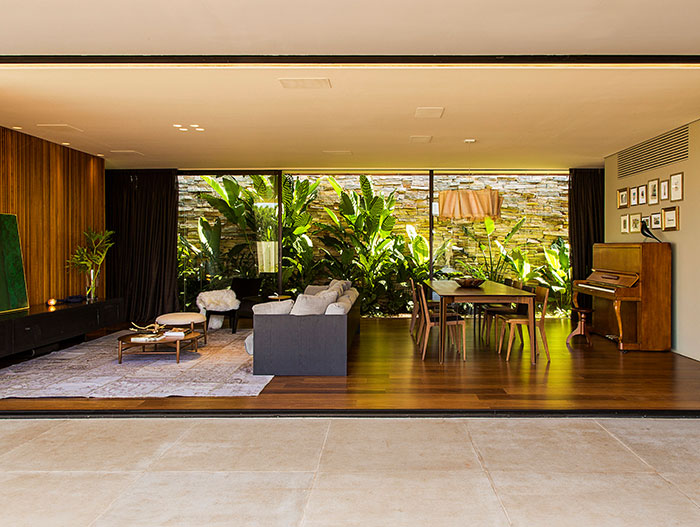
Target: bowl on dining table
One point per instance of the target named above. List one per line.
(469, 282)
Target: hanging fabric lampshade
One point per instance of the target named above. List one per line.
(470, 204)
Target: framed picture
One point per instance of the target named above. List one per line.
(669, 219)
(647, 220)
(642, 195)
(663, 190)
(13, 284)
(656, 220)
(677, 187)
(653, 192)
(633, 196)
(625, 223)
(622, 198)
(635, 222)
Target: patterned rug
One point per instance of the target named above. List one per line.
(221, 368)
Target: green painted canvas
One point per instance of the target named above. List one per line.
(13, 286)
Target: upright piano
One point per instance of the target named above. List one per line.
(631, 289)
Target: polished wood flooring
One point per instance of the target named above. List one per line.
(386, 373)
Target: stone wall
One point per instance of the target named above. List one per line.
(542, 199)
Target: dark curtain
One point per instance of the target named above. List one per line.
(142, 209)
(586, 219)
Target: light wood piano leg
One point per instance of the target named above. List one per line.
(616, 306)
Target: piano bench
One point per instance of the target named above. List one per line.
(582, 327)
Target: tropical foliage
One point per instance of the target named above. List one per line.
(494, 255)
(357, 241)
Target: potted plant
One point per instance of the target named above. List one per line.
(89, 259)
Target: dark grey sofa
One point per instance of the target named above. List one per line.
(304, 345)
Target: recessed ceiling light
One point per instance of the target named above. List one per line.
(100, 155)
(199, 129)
(16, 127)
(177, 125)
(65, 144)
(421, 138)
(194, 126)
(429, 112)
(338, 152)
(470, 140)
(184, 129)
(308, 84)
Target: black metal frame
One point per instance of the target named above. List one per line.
(350, 59)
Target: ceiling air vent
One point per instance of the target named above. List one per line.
(661, 150)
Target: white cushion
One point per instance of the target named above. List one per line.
(338, 288)
(347, 298)
(353, 294)
(311, 305)
(313, 289)
(249, 344)
(177, 319)
(274, 308)
(346, 284)
(341, 307)
(331, 294)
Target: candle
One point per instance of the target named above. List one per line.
(51, 302)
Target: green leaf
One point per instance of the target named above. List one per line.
(366, 186)
(347, 208)
(332, 216)
(489, 225)
(335, 185)
(388, 223)
(215, 185)
(514, 230)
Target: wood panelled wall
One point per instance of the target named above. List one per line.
(56, 193)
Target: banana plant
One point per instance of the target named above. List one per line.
(493, 253)
(556, 274)
(362, 244)
(417, 254)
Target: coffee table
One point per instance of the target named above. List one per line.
(125, 343)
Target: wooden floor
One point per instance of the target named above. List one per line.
(386, 373)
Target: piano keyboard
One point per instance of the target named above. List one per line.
(597, 288)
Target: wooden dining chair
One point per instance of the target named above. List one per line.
(432, 319)
(416, 315)
(491, 312)
(518, 320)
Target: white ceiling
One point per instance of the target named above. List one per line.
(543, 118)
(522, 117)
(328, 27)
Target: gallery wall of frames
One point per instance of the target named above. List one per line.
(661, 195)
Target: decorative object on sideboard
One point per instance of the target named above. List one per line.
(642, 194)
(653, 192)
(51, 302)
(625, 223)
(647, 220)
(89, 259)
(622, 198)
(635, 222)
(676, 187)
(633, 196)
(669, 219)
(663, 190)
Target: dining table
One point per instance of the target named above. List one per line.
(489, 292)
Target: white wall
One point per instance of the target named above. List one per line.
(686, 241)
